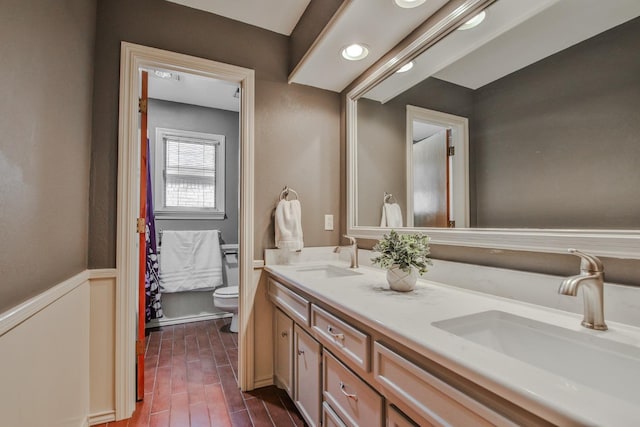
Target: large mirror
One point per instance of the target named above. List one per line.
(527, 122)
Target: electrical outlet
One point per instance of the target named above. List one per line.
(328, 222)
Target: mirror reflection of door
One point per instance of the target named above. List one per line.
(437, 168)
(431, 197)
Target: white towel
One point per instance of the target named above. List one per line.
(391, 215)
(288, 225)
(190, 260)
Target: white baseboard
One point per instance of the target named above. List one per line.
(185, 319)
(101, 417)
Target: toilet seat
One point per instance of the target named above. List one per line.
(226, 292)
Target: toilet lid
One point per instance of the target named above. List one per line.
(227, 292)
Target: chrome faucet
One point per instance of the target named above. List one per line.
(591, 279)
(354, 250)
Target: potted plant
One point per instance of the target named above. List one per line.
(404, 256)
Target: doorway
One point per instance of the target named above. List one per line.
(134, 58)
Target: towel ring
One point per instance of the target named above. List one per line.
(388, 197)
(286, 191)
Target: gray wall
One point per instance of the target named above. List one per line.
(556, 144)
(45, 116)
(297, 128)
(174, 115)
(381, 159)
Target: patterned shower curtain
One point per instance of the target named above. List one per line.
(152, 277)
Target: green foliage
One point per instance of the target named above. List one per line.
(403, 250)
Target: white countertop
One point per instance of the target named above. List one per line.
(408, 318)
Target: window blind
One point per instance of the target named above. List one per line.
(190, 174)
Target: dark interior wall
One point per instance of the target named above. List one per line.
(297, 129)
(175, 115)
(381, 159)
(47, 53)
(556, 143)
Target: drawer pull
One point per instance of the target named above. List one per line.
(283, 334)
(300, 352)
(349, 395)
(333, 334)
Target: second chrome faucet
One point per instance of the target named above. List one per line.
(591, 280)
(354, 250)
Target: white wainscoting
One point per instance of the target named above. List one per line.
(58, 354)
(44, 349)
(102, 345)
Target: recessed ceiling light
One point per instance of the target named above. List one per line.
(408, 4)
(473, 22)
(355, 52)
(406, 67)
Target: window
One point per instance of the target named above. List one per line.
(189, 175)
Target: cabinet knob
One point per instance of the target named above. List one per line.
(349, 395)
(283, 334)
(300, 352)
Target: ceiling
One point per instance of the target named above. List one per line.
(492, 50)
(378, 24)
(194, 90)
(280, 16)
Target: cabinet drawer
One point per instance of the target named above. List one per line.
(353, 400)
(342, 338)
(431, 398)
(329, 418)
(290, 302)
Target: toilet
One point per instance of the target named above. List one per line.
(226, 297)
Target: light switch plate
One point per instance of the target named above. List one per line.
(328, 222)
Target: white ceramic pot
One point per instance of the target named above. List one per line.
(400, 280)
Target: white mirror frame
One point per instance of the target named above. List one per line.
(605, 243)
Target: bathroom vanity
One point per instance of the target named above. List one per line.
(349, 351)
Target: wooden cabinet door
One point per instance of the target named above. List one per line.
(283, 366)
(307, 387)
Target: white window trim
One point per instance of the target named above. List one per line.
(162, 212)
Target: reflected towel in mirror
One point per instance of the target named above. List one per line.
(391, 215)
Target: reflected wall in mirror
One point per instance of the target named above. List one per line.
(551, 90)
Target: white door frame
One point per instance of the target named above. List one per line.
(132, 58)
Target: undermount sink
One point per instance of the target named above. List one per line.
(325, 271)
(607, 366)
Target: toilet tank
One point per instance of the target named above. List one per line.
(230, 263)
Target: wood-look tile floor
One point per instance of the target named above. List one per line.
(191, 373)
